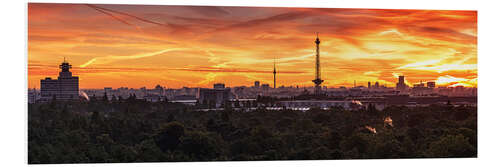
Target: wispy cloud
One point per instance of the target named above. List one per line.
(109, 59)
(456, 81)
(88, 62)
(232, 70)
(433, 65)
(189, 44)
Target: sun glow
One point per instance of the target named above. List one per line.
(454, 81)
(198, 46)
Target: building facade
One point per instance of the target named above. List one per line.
(256, 84)
(65, 87)
(33, 95)
(401, 86)
(214, 98)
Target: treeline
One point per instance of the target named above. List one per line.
(138, 131)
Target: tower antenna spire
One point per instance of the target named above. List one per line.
(317, 80)
(274, 71)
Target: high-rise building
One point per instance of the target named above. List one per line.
(65, 87)
(256, 84)
(317, 81)
(401, 83)
(376, 85)
(369, 85)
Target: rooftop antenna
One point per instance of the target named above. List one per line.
(274, 71)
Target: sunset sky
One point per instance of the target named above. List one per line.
(196, 46)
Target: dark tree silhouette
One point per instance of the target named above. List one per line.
(169, 136)
(134, 130)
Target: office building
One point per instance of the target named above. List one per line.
(65, 87)
(401, 86)
(257, 84)
(214, 98)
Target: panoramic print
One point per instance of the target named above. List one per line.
(159, 83)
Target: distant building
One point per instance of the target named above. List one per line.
(214, 98)
(323, 104)
(256, 84)
(65, 87)
(431, 85)
(369, 85)
(376, 85)
(420, 89)
(108, 90)
(419, 85)
(158, 90)
(33, 95)
(401, 86)
(265, 86)
(154, 98)
(184, 97)
(219, 86)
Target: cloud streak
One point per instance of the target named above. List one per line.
(109, 59)
(114, 17)
(129, 15)
(187, 45)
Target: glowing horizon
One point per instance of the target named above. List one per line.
(196, 46)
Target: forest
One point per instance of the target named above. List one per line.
(134, 130)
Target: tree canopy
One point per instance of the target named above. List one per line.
(132, 130)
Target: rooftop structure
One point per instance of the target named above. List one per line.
(65, 87)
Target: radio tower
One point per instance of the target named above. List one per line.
(317, 81)
(274, 72)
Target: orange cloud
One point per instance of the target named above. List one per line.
(145, 45)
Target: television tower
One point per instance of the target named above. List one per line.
(274, 72)
(317, 81)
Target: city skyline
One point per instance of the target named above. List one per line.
(197, 46)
